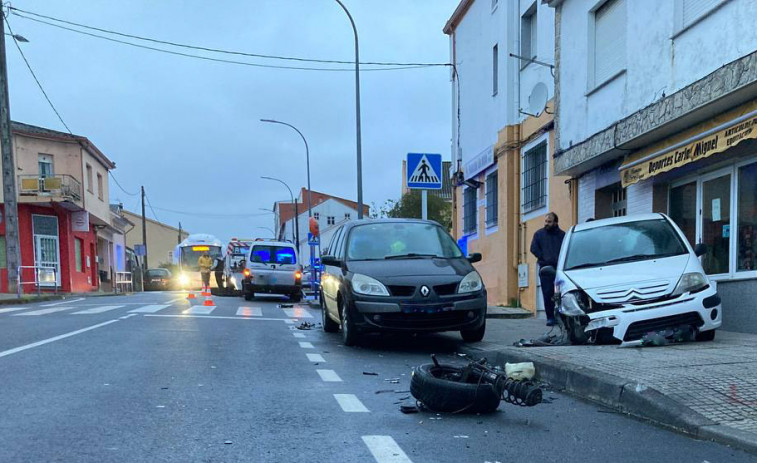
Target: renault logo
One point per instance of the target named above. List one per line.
(425, 291)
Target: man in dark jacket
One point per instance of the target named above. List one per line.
(546, 247)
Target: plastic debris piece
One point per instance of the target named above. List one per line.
(381, 391)
(286, 306)
(407, 409)
(520, 371)
(461, 437)
(370, 373)
(392, 380)
(228, 442)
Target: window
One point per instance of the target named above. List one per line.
(78, 257)
(90, 182)
(280, 255)
(746, 213)
(100, 186)
(534, 178)
(332, 244)
(528, 35)
(45, 164)
(330, 220)
(610, 201)
(469, 210)
(317, 215)
(495, 69)
(608, 41)
(689, 12)
(683, 209)
(491, 199)
(347, 216)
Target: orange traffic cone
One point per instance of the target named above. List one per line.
(208, 301)
(205, 291)
(191, 295)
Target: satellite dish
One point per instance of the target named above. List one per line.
(537, 100)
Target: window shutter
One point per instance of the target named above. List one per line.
(693, 9)
(609, 40)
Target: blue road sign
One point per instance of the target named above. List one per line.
(424, 171)
(140, 250)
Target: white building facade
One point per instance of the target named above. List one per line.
(657, 112)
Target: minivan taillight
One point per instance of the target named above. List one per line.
(246, 272)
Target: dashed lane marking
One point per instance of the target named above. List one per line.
(385, 450)
(149, 308)
(316, 358)
(55, 338)
(13, 309)
(101, 309)
(289, 321)
(298, 335)
(350, 403)
(329, 376)
(200, 310)
(61, 303)
(297, 313)
(306, 345)
(245, 311)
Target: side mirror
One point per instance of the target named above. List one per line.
(475, 257)
(700, 249)
(330, 260)
(548, 271)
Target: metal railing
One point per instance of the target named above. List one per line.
(39, 271)
(123, 283)
(64, 186)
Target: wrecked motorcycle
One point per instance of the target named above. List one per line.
(473, 388)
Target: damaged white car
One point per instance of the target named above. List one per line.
(629, 277)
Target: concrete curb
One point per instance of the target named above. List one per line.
(508, 315)
(623, 396)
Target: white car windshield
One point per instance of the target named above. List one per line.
(624, 242)
(399, 240)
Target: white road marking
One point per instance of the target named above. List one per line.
(200, 310)
(289, 321)
(101, 309)
(61, 303)
(43, 311)
(13, 309)
(149, 308)
(350, 403)
(316, 358)
(329, 376)
(385, 450)
(218, 317)
(298, 335)
(127, 316)
(297, 313)
(250, 311)
(53, 339)
(306, 345)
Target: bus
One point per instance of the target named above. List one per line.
(186, 255)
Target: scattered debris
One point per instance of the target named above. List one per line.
(407, 409)
(306, 326)
(381, 391)
(404, 398)
(285, 306)
(164, 388)
(370, 373)
(461, 437)
(392, 380)
(520, 371)
(228, 442)
(683, 333)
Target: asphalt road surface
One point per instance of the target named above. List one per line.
(149, 378)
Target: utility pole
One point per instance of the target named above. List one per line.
(144, 229)
(12, 247)
(179, 233)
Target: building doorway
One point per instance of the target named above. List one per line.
(46, 249)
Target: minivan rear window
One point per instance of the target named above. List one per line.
(266, 254)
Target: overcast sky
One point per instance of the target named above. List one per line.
(189, 130)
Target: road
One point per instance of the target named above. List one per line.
(148, 378)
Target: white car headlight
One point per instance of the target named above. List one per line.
(689, 283)
(471, 283)
(571, 304)
(363, 284)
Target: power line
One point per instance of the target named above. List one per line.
(220, 60)
(153, 210)
(219, 50)
(119, 185)
(209, 214)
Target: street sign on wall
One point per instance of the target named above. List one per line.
(424, 171)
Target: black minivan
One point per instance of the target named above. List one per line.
(400, 275)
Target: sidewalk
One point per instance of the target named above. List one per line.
(706, 389)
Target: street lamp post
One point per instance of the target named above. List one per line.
(296, 231)
(273, 233)
(357, 116)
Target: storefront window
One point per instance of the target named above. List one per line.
(746, 258)
(683, 209)
(716, 224)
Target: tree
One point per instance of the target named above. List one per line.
(409, 206)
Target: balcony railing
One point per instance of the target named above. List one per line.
(62, 186)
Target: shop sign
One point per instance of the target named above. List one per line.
(479, 163)
(633, 172)
(80, 221)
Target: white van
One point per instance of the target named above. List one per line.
(627, 277)
(272, 267)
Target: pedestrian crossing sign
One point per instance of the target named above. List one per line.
(424, 171)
